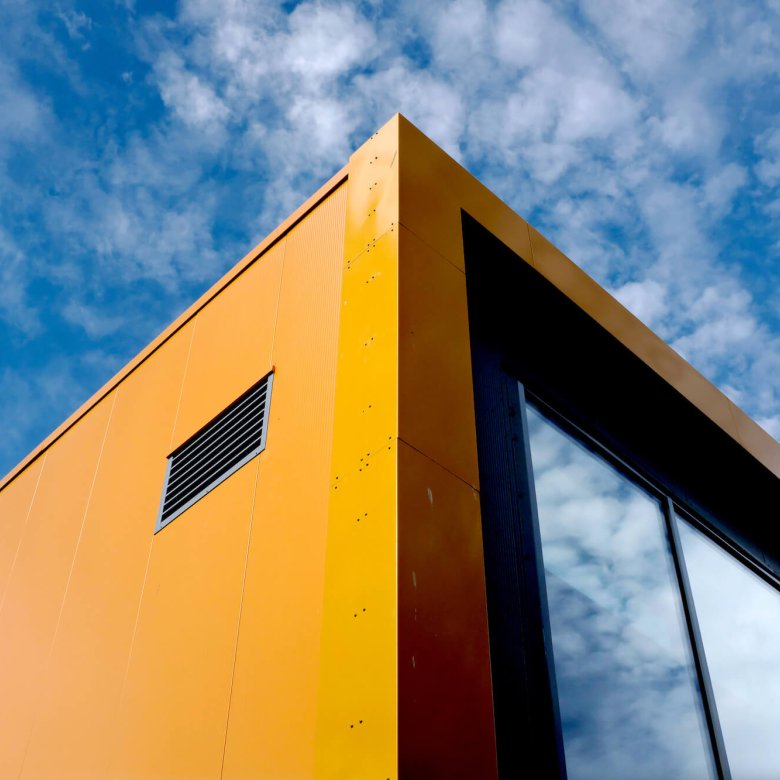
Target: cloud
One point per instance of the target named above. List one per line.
(768, 149)
(76, 23)
(647, 300)
(192, 101)
(16, 306)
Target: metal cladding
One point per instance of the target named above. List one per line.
(322, 611)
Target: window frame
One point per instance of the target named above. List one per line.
(668, 507)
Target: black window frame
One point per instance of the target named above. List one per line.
(669, 508)
(507, 365)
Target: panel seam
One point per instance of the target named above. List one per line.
(238, 624)
(146, 569)
(433, 249)
(68, 581)
(436, 462)
(21, 535)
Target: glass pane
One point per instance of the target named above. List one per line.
(629, 701)
(739, 620)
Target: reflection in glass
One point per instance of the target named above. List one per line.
(629, 701)
(739, 620)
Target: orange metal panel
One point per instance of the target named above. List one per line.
(445, 696)
(372, 205)
(15, 504)
(272, 721)
(436, 404)
(357, 708)
(231, 349)
(40, 576)
(357, 727)
(369, 341)
(174, 708)
(434, 188)
(74, 731)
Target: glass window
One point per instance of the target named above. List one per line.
(630, 705)
(739, 621)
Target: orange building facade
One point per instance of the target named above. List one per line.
(324, 611)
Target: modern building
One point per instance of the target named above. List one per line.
(406, 494)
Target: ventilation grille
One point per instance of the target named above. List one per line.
(231, 439)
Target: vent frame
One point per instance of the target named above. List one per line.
(194, 442)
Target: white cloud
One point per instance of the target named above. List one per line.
(16, 308)
(96, 323)
(768, 148)
(652, 36)
(646, 299)
(326, 41)
(76, 23)
(25, 114)
(187, 96)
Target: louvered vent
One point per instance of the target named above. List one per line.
(231, 439)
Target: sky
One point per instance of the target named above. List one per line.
(146, 147)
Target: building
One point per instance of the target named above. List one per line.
(495, 524)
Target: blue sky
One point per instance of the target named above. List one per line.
(145, 147)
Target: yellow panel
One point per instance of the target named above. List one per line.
(357, 717)
(173, 713)
(433, 190)
(75, 729)
(445, 695)
(372, 205)
(40, 576)
(15, 503)
(274, 702)
(368, 346)
(232, 346)
(357, 726)
(436, 404)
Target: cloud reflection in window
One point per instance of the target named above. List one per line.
(630, 705)
(739, 619)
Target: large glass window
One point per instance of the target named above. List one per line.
(739, 618)
(626, 682)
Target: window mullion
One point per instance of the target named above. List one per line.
(697, 646)
(532, 540)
